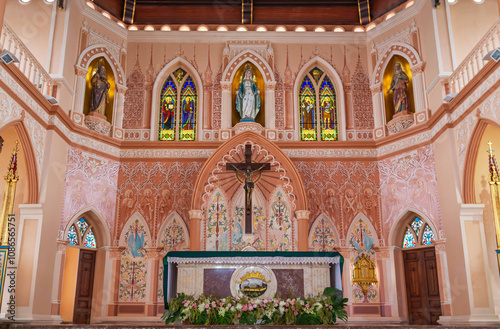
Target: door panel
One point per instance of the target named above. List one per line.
(84, 287)
(422, 286)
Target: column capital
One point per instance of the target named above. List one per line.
(226, 86)
(418, 68)
(80, 71)
(195, 214)
(113, 252)
(378, 88)
(302, 214)
(121, 89)
(270, 86)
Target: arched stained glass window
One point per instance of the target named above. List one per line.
(188, 103)
(317, 103)
(415, 236)
(178, 108)
(168, 108)
(307, 103)
(81, 234)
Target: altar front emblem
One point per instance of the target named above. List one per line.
(253, 282)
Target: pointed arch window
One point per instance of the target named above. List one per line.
(317, 107)
(178, 108)
(81, 234)
(418, 233)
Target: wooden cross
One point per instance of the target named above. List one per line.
(247, 169)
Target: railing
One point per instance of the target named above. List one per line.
(473, 63)
(28, 64)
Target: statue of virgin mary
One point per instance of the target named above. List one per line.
(248, 97)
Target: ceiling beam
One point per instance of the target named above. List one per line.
(364, 11)
(246, 11)
(128, 11)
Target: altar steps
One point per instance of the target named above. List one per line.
(156, 325)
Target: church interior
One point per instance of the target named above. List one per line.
(271, 148)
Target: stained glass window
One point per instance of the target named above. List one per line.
(328, 111)
(90, 240)
(416, 236)
(416, 225)
(188, 103)
(81, 234)
(317, 104)
(409, 239)
(72, 236)
(178, 108)
(307, 104)
(168, 101)
(82, 225)
(427, 236)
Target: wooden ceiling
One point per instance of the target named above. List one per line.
(275, 12)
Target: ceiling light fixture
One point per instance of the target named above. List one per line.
(222, 28)
(300, 29)
(280, 28)
(24, 2)
(319, 29)
(241, 29)
(358, 29)
(202, 28)
(166, 28)
(90, 4)
(149, 28)
(261, 29)
(133, 28)
(338, 29)
(184, 28)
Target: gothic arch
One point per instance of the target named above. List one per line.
(100, 50)
(376, 241)
(29, 154)
(248, 136)
(339, 92)
(136, 215)
(92, 216)
(173, 215)
(254, 58)
(469, 195)
(160, 80)
(397, 48)
(332, 225)
(396, 231)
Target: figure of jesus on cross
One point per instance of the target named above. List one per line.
(247, 169)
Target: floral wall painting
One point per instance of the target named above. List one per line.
(133, 269)
(322, 235)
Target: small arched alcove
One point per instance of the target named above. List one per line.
(398, 87)
(81, 292)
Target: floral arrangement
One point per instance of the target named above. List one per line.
(323, 309)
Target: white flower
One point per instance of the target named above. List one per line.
(282, 303)
(282, 310)
(239, 307)
(233, 309)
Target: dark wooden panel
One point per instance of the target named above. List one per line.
(84, 287)
(422, 286)
(290, 282)
(306, 16)
(188, 15)
(380, 7)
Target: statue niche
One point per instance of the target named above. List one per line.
(99, 89)
(398, 88)
(248, 92)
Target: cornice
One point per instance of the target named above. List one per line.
(52, 117)
(97, 17)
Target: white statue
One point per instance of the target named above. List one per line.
(248, 97)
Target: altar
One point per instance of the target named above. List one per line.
(250, 273)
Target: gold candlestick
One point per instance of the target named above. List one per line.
(11, 179)
(494, 180)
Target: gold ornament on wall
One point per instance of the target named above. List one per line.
(364, 273)
(494, 180)
(11, 179)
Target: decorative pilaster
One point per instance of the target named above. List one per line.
(111, 280)
(55, 307)
(79, 98)
(303, 229)
(226, 105)
(152, 265)
(118, 106)
(195, 217)
(270, 105)
(348, 106)
(418, 86)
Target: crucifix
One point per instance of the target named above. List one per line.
(247, 169)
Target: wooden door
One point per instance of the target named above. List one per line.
(422, 286)
(84, 287)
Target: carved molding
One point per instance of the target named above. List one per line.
(400, 123)
(98, 125)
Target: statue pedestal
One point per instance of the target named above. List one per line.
(248, 125)
(400, 122)
(98, 123)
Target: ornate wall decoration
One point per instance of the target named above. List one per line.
(134, 98)
(133, 269)
(218, 230)
(409, 181)
(9, 109)
(342, 190)
(217, 100)
(90, 183)
(322, 235)
(279, 99)
(173, 237)
(155, 189)
(362, 98)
